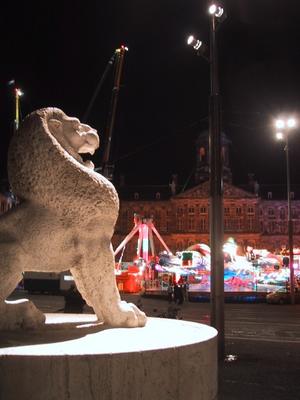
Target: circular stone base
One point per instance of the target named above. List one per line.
(76, 359)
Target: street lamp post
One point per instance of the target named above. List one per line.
(216, 192)
(216, 182)
(286, 126)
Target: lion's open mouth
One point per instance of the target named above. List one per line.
(90, 143)
(85, 160)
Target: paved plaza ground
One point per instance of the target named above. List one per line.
(262, 344)
(256, 367)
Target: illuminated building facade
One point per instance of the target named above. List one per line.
(255, 215)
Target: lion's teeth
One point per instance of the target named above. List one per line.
(89, 164)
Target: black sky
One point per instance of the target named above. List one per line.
(57, 51)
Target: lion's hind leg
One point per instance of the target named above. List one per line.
(20, 313)
(97, 284)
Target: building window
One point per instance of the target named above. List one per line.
(272, 227)
(250, 224)
(239, 224)
(180, 211)
(179, 224)
(238, 211)
(271, 213)
(157, 196)
(202, 210)
(282, 227)
(191, 210)
(269, 195)
(191, 224)
(136, 196)
(250, 211)
(226, 211)
(282, 213)
(203, 225)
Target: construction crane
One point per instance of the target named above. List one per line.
(116, 60)
(107, 164)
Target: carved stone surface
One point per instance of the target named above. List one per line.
(65, 220)
(165, 360)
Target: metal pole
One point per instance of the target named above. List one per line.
(290, 222)
(216, 198)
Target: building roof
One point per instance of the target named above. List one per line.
(274, 191)
(144, 192)
(164, 192)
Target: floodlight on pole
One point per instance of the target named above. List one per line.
(279, 136)
(216, 10)
(279, 123)
(195, 43)
(291, 123)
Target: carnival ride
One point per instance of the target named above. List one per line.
(253, 271)
(143, 267)
(145, 227)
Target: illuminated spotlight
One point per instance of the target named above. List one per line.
(280, 124)
(215, 10)
(19, 92)
(291, 123)
(196, 43)
(279, 135)
(212, 9)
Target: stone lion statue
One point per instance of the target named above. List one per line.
(65, 220)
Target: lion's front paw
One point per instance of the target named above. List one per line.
(20, 314)
(126, 315)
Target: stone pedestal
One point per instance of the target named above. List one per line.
(75, 359)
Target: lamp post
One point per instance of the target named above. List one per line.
(18, 94)
(284, 127)
(216, 182)
(216, 190)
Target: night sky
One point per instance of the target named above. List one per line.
(57, 52)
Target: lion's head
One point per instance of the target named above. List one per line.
(44, 159)
(75, 137)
